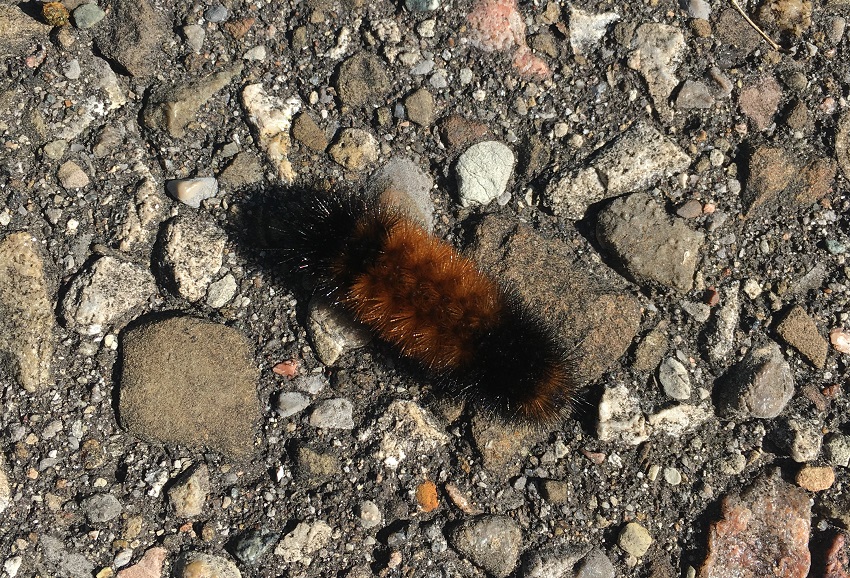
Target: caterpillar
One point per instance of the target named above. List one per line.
(429, 302)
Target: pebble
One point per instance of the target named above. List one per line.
(362, 79)
(799, 331)
(409, 430)
(192, 192)
(61, 561)
(573, 192)
(289, 403)
(770, 511)
(71, 176)
(5, 490)
(137, 31)
(558, 561)
(216, 13)
(307, 132)
(54, 13)
(721, 337)
(101, 508)
(149, 566)
(200, 565)
(555, 492)
(173, 107)
(771, 170)
(427, 28)
(87, 15)
(840, 340)
(752, 288)
(760, 101)
(806, 441)
(314, 468)
(189, 492)
(304, 540)
(105, 294)
(651, 348)
(620, 417)
(836, 449)
(656, 50)
(355, 149)
(634, 539)
(672, 476)
(71, 69)
(698, 9)
(333, 414)
(650, 245)
(842, 144)
(483, 171)
(760, 386)
(420, 107)
(221, 292)
(694, 95)
(491, 542)
(214, 405)
(192, 255)
(312, 383)
(402, 184)
(421, 5)
(26, 334)
(674, 379)
(272, 117)
(426, 496)
(257, 53)
(370, 515)
(815, 478)
(332, 331)
(250, 546)
(245, 169)
(55, 150)
(588, 28)
(194, 35)
(595, 565)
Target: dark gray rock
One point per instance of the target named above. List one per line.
(131, 35)
(760, 386)
(491, 542)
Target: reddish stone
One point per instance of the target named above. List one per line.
(497, 25)
(457, 132)
(836, 559)
(764, 531)
(287, 368)
(150, 566)
(760, 101)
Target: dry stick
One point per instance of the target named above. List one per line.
(767, 38)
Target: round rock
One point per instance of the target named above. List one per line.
(355, 149)
(489, 541)
(483, 171)
(362, 78)
(634, 539)
(333, 414)
(674, 379)
(192, 191)
(101, 508)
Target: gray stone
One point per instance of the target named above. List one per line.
(105, 293)
(55, 150)
(637, 159)
(421, 5)
(490, 542)
(101, 508)
(420, 107)
(172, 108)
(656, 52)
(194, 35)
(221, 292)
(620, 417)
(87, 15)
(71, 69)
(370, 515)
(312, 383)
(26, 333)
(333, 414)
(649, 244)
(806, 441)
(189, 492)
(215, 13)
(62, 561)
(195, 564)
(132, 36)
(253, 544)
(842, 144)
(142, 215)
(332, 331)
(634, 539)
(674, 379)
(555, 492)
(289, 403)
(483, 171)
(313, 468)
(652, 347)
(721, 336)
(355, 149)
(694, 95)
(587, 28)
(303, 541)
(5, 490)
(362, 78)
(836, 451)
(192, 255)
(573, 192)
(596, 565)
(409, 430)
(760, 386)
(552, 562)
(191, 382)
(245, 169)
(403, 185)
(71, 176)
(679, 419)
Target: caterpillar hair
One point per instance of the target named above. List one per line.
(430, 303)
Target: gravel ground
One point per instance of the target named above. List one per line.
(654, 179)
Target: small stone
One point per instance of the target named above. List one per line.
(690, 210)
(272, 118)
(815, 478)
(62, 562)
(192, 191)
(806, 441)
(427, 28)
(651, 348)
(421, 5)
(332, 331)
(420, 107)
(313, 468)
(221, 292)
(556, 561)
(55, 150)
(840, 340)
(199, 565)
(752, 288)
(761, 101)
(674, 379)
(216, 13)
(672, 476)
(303, 541)
(457, 132)
(87, 15)
(483, 171)
(71, 70)
(355, 149)
(770, 171)
(489, 541)
(370, 515)
(409, 430)
(101, 508)
(290, 403)
(770, 512)
(403, 185)
(842, 143)
(799, 331)
(134, 37)
(694, 95)
(189, 492)
(555, 492)
(257, 53)
(656, 52)
(587, 28)
(149, 566)
(595, 565)
(620, 417)
(426, 496)
(194, 35)
(253, 544)
(192, 255)
(760, 386)
(5, 490)
(71, 176)
(245, 169)
(634, 539)
(307, 132)
(55, 13)
(650, 245)
(362, 78)
(572, 193)
(837, 450)
(721, 337)
(333, 414)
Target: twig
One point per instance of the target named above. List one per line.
(761, 32)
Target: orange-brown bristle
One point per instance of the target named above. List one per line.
(425, 298)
